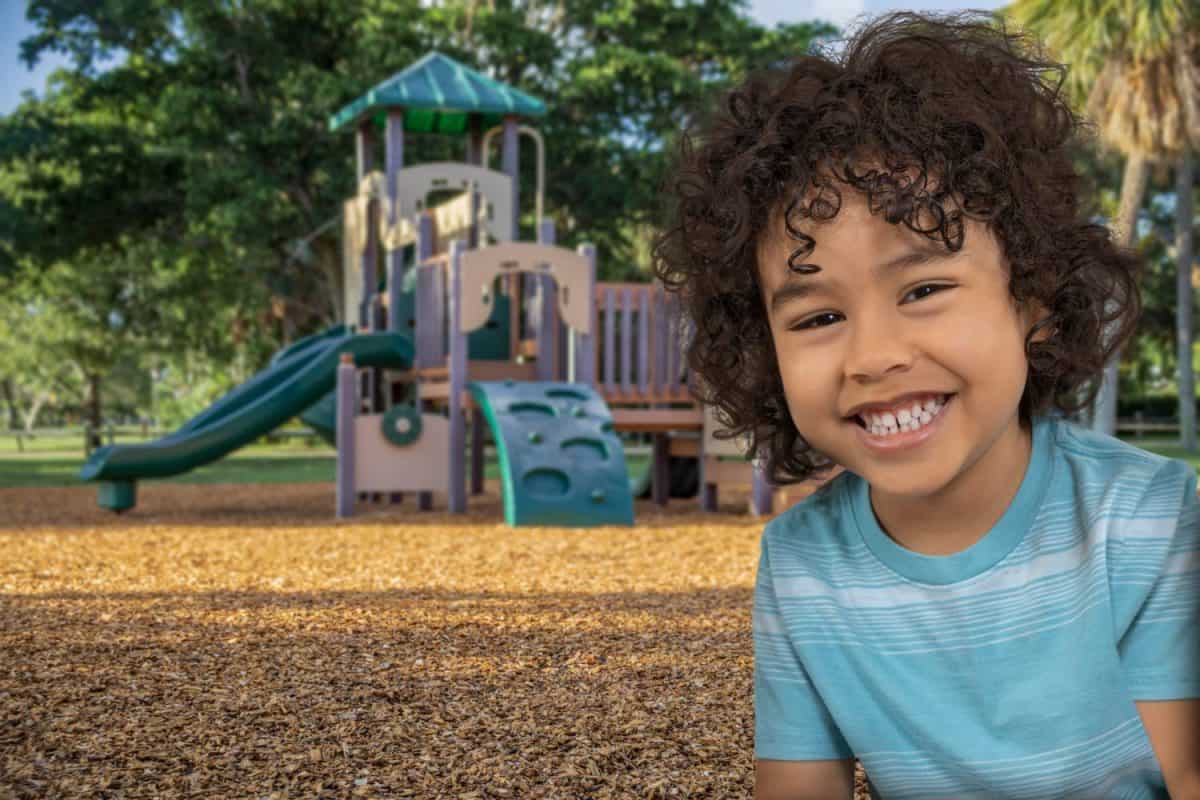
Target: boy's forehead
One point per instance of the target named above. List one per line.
(852, 222)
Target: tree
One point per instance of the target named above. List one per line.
(204, 153)
(30, 377)
(1122, 54)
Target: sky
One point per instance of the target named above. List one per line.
(16, 78)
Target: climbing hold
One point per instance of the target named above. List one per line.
(401, 425)
(579, 411)
(535, 437)
(531, 411)
(549, 482)
(598, 495)
(558, 393)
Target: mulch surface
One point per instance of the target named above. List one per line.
(238, 641)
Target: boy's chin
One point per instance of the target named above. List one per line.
(888, 483)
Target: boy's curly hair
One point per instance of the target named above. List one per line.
(930, 117)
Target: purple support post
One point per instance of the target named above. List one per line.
(708, 490)
(529, 300)
(671, 307)
(474, 151)
(627, 341)
(643, 341)
(583, 353)
(347, 410)
(473, 230)
(427, 314)
(561, 337)
(660, 484)
(547, 321)
(440, 309)
(458, 378)
(610, 333)
(427, 325)
(474, 155)
(394, 157)
(477, 444)
(511, 164)
(661, 325)
(760, 490)
(365, 143)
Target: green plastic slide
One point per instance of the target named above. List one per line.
(283, 364)
(283, 390)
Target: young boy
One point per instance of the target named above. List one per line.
(888, 271)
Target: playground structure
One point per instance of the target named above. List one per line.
(485, 333)
(554, 330)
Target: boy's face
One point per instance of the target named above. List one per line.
(899, 338)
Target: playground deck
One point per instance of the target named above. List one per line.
(235, 641)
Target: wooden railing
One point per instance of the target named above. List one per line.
(640, 343)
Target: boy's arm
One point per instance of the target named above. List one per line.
(805, 780)
(1154, 575)
(1174, 730)
(800, 753)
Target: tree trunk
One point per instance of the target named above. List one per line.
(330, 259)
(10, 399)
(39, 400)
(1133, 189)
(1183, 302)
(94, 416)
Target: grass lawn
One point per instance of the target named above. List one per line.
(55, 461)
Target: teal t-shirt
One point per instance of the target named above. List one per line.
(1009, 669)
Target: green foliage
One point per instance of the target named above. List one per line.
(32, 376)
(155, 200)
(1084, 33)
(1151, 360)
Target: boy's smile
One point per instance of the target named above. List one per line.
(904, 363)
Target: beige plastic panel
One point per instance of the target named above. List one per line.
(393, 237)
(354, 241)
(452, 220)
(380, 466)
(713, 446)
(570, 271)
(495, 188)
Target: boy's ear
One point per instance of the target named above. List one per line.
(1035, 313)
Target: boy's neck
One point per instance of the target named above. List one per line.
(963, 511)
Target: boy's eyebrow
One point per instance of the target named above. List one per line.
(797, 286)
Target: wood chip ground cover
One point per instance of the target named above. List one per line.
(237, 641)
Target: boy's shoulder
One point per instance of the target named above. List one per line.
(820, 513)
(1093, 456)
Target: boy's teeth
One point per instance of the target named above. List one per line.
(905, 419)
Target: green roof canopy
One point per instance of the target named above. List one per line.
(437, 94)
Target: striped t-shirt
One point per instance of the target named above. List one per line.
(1007, 670)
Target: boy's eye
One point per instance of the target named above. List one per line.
(826, 318)
(815, 321)
(933, 287)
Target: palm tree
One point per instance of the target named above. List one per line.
(1183, 293)
(1123, 55)
(1187, 70)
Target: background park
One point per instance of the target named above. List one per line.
(172, 220)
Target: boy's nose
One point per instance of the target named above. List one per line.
(876, 349)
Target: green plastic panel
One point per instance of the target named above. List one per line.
(117, 495)
(487, 343)
(561, 463)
